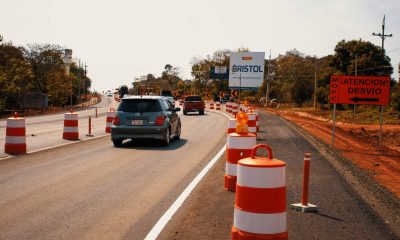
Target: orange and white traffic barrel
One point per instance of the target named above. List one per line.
(235, 108)
(217, 106)
(239, 145)
(109, 119)
(71, 131)
(15, 135)
(252, 123)
(260, 204)
(180, 102)
(232, 125)
(229, 107)
(257, 120)
(211, 105)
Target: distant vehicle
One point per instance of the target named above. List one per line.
(123, 90)
(109, 94)
(193, 103)
(168, 95)
(145, 117)
(226, 98)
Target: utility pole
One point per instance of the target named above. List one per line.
(315, 83)
(84, 78)
(268, 78)
(382, 36)
(79, 81)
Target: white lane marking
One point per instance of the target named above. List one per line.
(162, 222)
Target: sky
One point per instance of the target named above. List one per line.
(123, 39)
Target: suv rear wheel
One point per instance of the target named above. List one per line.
(117, 142)
(167, 137)
(178, 132)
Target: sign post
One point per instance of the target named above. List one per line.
(359, 90)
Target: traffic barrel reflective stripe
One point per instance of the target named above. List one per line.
(238, 146)
(235, 108)
(227, 106)
(252, 123)
(211, 105)
(109, 118)
(230, 107)
(260, 203)
(71, 130)
(15, 142)
(217, 106)
(257, 120)
(232, 122)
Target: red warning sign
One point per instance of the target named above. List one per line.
(360, 90)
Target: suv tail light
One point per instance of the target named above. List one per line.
(160, 120)
(116, 121)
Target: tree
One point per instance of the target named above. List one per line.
(45, 59)
(15, 76)
(368, 58)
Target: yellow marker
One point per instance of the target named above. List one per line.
(242, 120)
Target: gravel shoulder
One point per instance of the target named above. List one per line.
(351, 205)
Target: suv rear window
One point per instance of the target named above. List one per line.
(193, 98)
(140, 105)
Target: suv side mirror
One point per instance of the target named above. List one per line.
(177, 109)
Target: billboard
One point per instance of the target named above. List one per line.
(368, 90)
(246, 70)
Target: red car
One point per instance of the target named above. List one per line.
(193, 103)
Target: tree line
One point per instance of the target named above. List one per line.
(38, 68)
(293, 75)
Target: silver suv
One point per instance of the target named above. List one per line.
(146, 117)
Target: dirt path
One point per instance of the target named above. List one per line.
(354, 144)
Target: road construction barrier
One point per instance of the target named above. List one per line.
(211, 105)
(305, 206)
(252, 123)
(239, 145)
(180, 102)
(235, 108)
(232, 125)
(117, 99)
(257, 120)
(71, 131)
(217, 106)
(228, 107)
(260, 203)
(15, 135)
(109, 118)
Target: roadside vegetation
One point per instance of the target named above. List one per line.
(292, 78)
(38, 71)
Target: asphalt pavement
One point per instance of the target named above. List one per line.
(91, 190)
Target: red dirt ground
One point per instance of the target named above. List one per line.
(358, 143)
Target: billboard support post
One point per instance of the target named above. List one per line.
(240, 86)
(380, 122)
(334, 122)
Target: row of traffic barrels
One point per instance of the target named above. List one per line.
(15, 141)
(260, 186)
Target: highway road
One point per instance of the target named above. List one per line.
(46, 131)
(91, 190)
